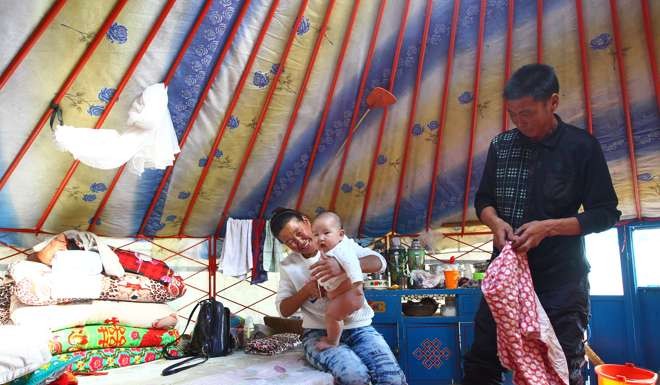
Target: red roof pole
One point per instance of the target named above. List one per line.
(358, 101)
(413, 110)
(475, 110)
(539, 31)
(294, 114)
(648, 33)
(111, 103)
(443, 111)
(31, 41)
(626, 106)
(585, 66)
(63, 89)
(262, 117)
(507, 60)
(168, 78)
(328, 103)
(225, 120)
(383, 120)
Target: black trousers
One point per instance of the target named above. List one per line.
(568, 310)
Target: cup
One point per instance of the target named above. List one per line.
(451, 279)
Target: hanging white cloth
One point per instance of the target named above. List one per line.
(236, 252)
(149, 140)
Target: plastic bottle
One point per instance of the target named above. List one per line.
(416, 256)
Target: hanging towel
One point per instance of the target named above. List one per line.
(237, 248)
(526, 342)
(273, 252)
(259, 275)
(149, 140)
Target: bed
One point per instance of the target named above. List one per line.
(236, 369)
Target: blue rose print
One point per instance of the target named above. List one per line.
(417, 129)
(201, 163)
(382, 159)
(218, 153)
(170, 218)
(106, 94)
(89, 197)
(184, 195)
(465, 98)
(233, 122)
(98, 221)
(260, 79)
(601, 41)
(97, 187)
(346, 188)
(319, 210)
(274, 68)
(160, 226)
(433, 125)
(359, 184)
(95, 110)
(117, 34)
(303, 28)
(645, 177)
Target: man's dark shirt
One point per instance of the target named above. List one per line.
(553, 178)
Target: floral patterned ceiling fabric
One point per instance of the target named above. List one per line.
(263, 92)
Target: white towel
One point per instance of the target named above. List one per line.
(148, 141)
(237, 248)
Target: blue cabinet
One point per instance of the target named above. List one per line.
(429, 349)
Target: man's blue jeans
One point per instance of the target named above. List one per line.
(362, 357)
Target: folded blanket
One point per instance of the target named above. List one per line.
(57, 317)
(22, 351)
(38, 284)
(6, 290)
(103, 359)
(90, 337)
(152, 268)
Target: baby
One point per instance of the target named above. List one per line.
(344, 293)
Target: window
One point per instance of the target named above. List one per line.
(603, 254)
(645, 243)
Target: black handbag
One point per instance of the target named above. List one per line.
(210, 337)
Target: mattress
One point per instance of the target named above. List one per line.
(236, 369)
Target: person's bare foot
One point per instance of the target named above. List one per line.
(324, 344)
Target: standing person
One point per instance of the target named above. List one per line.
(536, 177)
(362, 356)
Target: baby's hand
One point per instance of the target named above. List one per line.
(325, 268)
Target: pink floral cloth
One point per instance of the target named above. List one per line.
(526, 342)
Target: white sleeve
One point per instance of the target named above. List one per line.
(364, 251)
(285, 288)
(345, 254)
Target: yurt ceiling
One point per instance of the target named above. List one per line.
(263, 94)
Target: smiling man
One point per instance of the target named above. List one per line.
(536, 178)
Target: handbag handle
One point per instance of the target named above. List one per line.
(175, 368)
(165, 353)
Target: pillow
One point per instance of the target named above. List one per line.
(22, 351)
(47, 373)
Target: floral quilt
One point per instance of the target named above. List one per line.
(102, 359)
(108, 336)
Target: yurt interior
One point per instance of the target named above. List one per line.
(324, 192)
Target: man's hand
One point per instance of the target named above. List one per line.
(529, 235)
(502, 232)
(325, 268)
